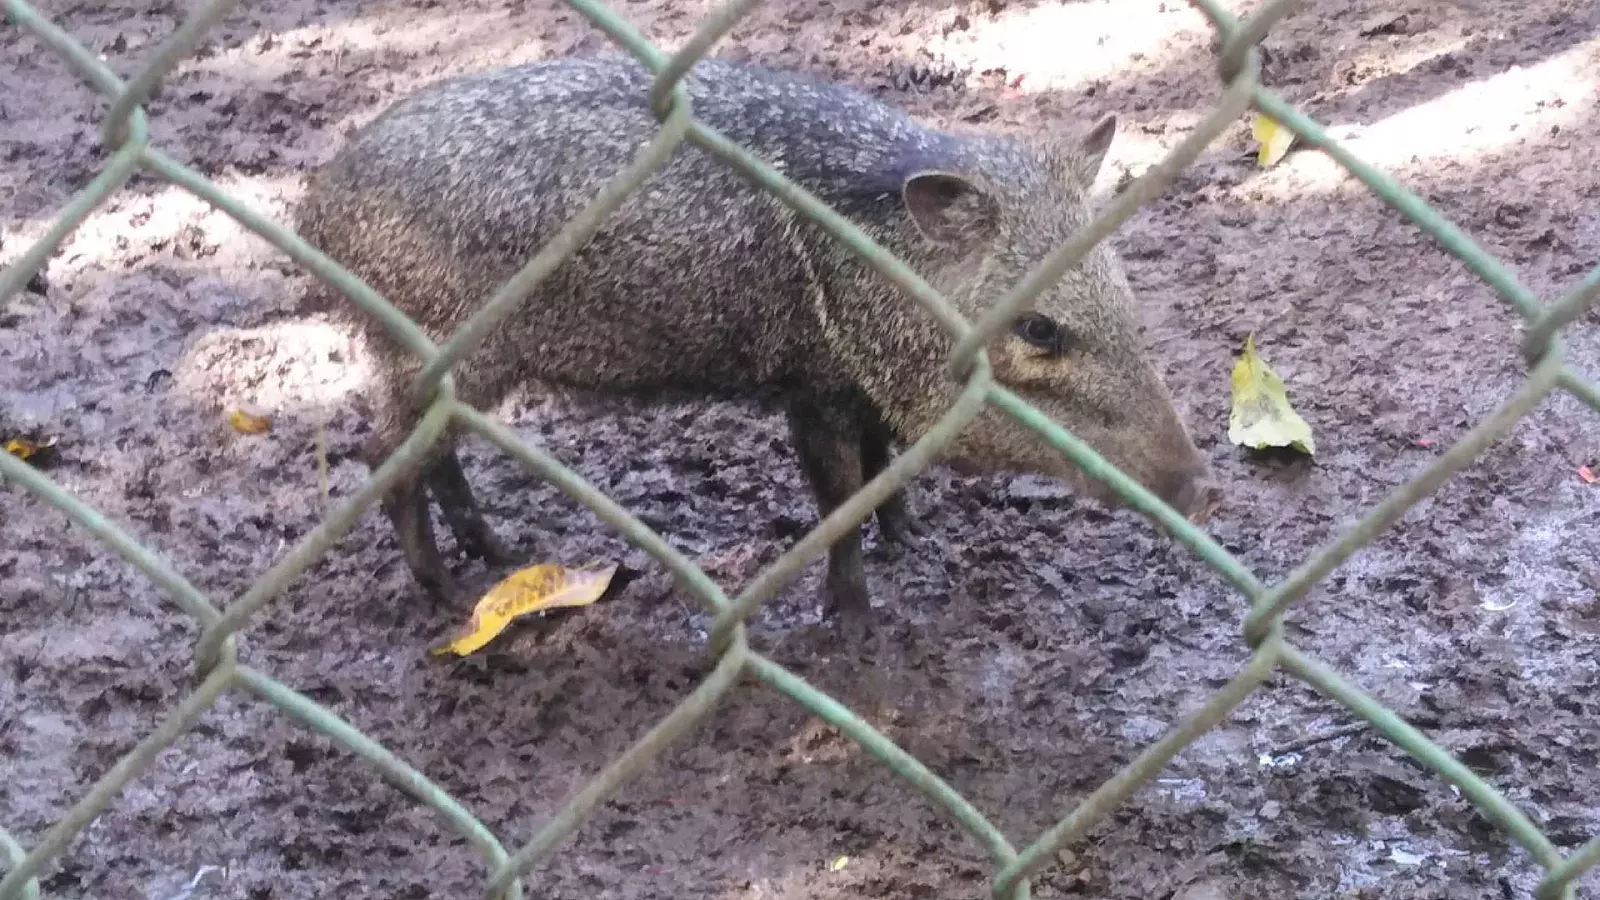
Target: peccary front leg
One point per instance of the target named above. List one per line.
(406, 506)
(461, 511)
(827, 439)
(895, 522)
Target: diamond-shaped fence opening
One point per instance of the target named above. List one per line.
(220, 671)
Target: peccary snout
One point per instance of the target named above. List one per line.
(1173, 469)
(1193, 492)
(1076, 355)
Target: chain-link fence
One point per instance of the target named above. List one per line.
(219, 670)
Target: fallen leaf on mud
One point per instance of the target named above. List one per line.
(249, 421)
(839, 864)
(1274, 139)
(26, 448)
(1262, 416)
(1588, 475)
(525, 591)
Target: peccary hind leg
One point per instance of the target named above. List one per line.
(462, 513)
(407, 508)
(895, 521)
(406, 505)
(827, 440)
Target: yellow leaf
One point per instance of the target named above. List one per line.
(21, 448)
(545, 586)
(249, 421)
(25, 448)
(1262, 416)
(839, 864)
(1274, 139)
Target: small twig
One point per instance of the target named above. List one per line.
(322, 457)
(1311, 740)
(200, 876)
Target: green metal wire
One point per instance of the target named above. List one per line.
(117, 171)
(14, 854)
(113, 176)
(856, 510)
(902, 763)
(712, 29)
(193, 602)
(1533, 391)
(1490, 802)
(399, 326)
(1574, 384)
(1557, 885)
(764, 176)
(1141, 771)
(1235, 100)
(1536, 342)
(167, 55)
(1133, 493)
(1240, 39)
(125, 134)
(564, 244)
(322, 538)
(318, 718)
(690, 577)
(111, 784)
(627, 767)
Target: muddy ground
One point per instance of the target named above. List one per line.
(1034, 642)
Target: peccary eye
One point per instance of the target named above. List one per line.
(1041, 331)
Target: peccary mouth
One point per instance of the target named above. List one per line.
(1194, 494)
(1197, 500)
(1205, 500)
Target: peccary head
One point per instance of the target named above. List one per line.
(976, 229)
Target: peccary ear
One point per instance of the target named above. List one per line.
(1093, 147)
(949, 209)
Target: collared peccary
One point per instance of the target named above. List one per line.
(703, 285)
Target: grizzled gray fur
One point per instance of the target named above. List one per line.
(703, 285)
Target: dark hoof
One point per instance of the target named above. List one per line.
(855, 628)
(847, 603)
(488, 547)
(897, 526)
(441, 588)
(902, 533)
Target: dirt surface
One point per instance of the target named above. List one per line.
(1034, 643)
